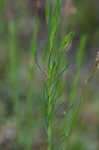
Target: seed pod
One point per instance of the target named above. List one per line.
(97, 60)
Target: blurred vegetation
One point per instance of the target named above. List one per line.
(19, 78)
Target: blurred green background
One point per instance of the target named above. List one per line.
(17, 22)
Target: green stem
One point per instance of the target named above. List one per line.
(50, 122)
